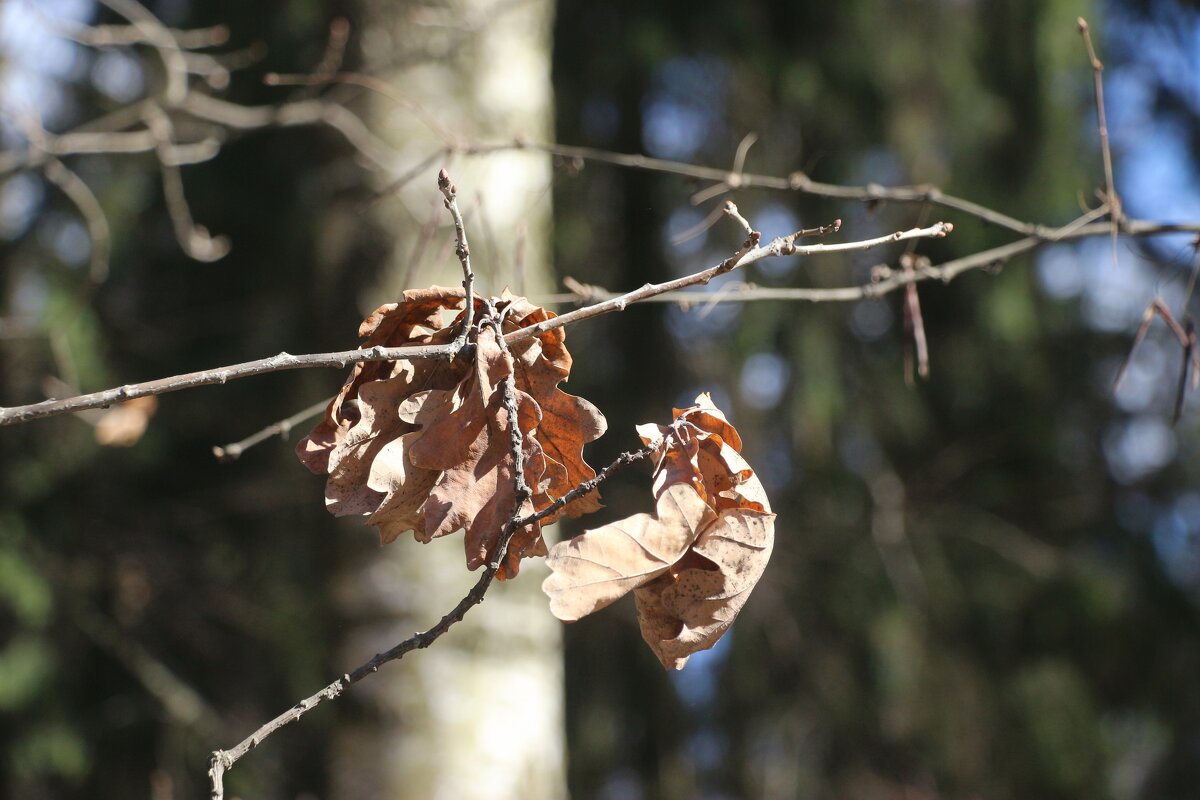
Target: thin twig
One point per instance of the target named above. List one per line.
(195, 239)
(797, 181)
(77, 191)
(730, 210)
(886, 280)
(914, 320)
(234, 450)
(621, 461)
(335, 48)
(283, 361)
(369, 83)
(159, 37)
(1111, 198)
(1185, 334)
(734, 179)
(521, 489)
(749, 254)
(463, 251)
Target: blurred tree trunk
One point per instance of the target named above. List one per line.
(479, 715)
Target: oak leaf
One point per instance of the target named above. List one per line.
(361, 442)
(595, 569)
(425, 445)
(471, 446)
(691, 609)
(415, 321)
(568, 422)
(691, 565)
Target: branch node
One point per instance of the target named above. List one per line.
(798, 180)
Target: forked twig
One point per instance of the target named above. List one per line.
(914, 320)
(1185, 334)
(750, 253)
(463, 251)
(234, 450)
(1111, 199)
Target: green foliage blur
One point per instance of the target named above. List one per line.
(977, 590)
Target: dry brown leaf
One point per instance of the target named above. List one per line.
(568, 422)
(595, 569)
(414, 321)
(404, 485)
(361, 475)
(424, 445)
(688, 604)
(690, 610)
(472, 447)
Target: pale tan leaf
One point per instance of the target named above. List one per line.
(124, 424)
(598, 567)
(687, 604)
(403, 495)
(681, 614)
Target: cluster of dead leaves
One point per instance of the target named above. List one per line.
(692, 563)
(425, 445)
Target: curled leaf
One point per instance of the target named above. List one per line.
(593, 570)
(693, 563)
(689, 611)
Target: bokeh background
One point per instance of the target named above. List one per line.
(985, 583)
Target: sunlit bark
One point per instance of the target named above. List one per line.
(479, 715)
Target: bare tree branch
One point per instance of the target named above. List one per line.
(283, 361)
(159, 37)
(750, 253)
